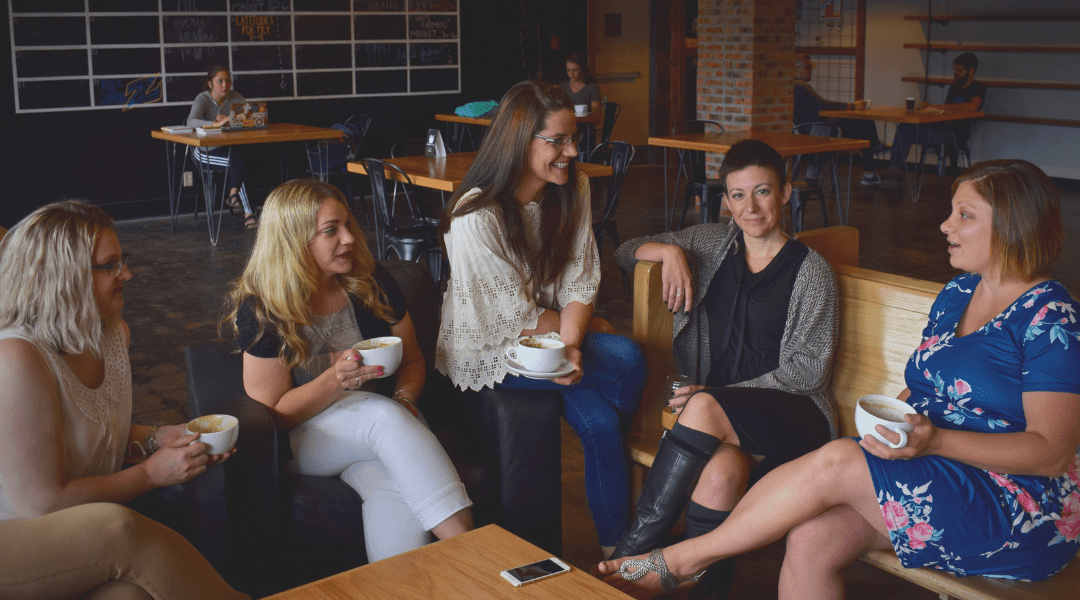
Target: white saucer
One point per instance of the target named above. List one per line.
(584, 114)
(565, 368)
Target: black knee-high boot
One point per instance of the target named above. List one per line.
(720, 576)
(681, 457)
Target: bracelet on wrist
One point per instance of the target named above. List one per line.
(399, 397)
(150, 442)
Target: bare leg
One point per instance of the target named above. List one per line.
(835, 475)
(456, 524)
(819, 549)
(723, 481)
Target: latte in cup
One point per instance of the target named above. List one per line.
(218, 432)
(874, 409)
(385, 351)
(539, 355)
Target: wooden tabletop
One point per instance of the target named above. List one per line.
(447, 173)
(465, 567)
(276, 132)
(787, 144)
(591, 118)
(900, 114)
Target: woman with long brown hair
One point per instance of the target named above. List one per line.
(523, 262)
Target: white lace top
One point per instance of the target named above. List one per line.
(486, 304)
(95, 422)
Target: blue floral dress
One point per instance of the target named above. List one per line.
(952, 516)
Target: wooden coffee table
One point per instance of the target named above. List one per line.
(465, 567)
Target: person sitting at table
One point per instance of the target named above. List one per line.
(523, 262)
(580, 86)
(989, 481)
(965, 94)
(755, 327)
(65, 410)
(211, 108)
(808, 103)
(297, 330)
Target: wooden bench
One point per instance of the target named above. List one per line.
(881, 321)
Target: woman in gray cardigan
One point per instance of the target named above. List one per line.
(756, 316)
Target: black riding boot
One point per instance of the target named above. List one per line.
(718, 579)
(679, 461)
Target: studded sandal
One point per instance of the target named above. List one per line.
(655, 563)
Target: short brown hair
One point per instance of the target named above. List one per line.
(1027, 233)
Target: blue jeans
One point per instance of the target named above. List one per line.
(599, 409)
(932, 135)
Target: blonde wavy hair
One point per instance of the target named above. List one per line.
(46, 284)
(281, 274)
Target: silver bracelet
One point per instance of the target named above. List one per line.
(150, 442)
(398, 397)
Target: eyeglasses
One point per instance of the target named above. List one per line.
(561, 142)
(116, 266)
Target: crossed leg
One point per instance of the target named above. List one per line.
(794, 494)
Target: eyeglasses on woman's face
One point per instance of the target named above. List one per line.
(115, 267)
(561, 141)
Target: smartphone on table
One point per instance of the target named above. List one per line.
(532, 572)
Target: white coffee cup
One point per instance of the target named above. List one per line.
(218, 432)
(868, 103)
(539, 355)
(580, 109)
(875, 409)
(384, 351)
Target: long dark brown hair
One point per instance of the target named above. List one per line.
(500, 168)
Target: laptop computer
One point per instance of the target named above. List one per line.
(247, 115)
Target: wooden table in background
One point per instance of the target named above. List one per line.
(447, 173)
(465, 567)
(276, 132)
(590, 121)
(900, 114)
(787, 144)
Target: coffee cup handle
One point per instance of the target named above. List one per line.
(903, 439)
(511, 353)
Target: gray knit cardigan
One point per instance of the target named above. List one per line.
(810, 333)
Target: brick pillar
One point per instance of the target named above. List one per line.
(746, 57)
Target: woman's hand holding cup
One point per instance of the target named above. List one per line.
(178, 461)
(350, 374)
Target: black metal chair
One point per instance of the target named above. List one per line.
(414, 147)
(329, 159)
(958, 154)
(414, 242)
(611, 114)
(619, 155)
(818, 167)
(692, 166)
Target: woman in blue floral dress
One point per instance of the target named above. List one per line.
(989, 482)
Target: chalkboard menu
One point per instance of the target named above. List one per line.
(119, 54)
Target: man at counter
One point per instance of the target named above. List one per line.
(808, 103)
(965, 94)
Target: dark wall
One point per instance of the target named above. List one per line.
(108, 156)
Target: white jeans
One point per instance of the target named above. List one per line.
(391, 459)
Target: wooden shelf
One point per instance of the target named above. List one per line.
(1032, 120)
(1003, 83)
(827, 50)
(947, 18)
(992, 47)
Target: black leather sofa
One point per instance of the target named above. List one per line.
(267, 530)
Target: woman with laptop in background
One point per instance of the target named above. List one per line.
(211, 109)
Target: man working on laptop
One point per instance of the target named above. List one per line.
(808, 103)
(965, 94)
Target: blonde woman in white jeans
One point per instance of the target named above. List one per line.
(310, 291)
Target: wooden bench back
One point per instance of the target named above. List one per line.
(881, 321)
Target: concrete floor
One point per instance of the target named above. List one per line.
(175, 299)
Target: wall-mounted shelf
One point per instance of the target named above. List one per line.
(1003, 83)
(946, 18)
(991, 47)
